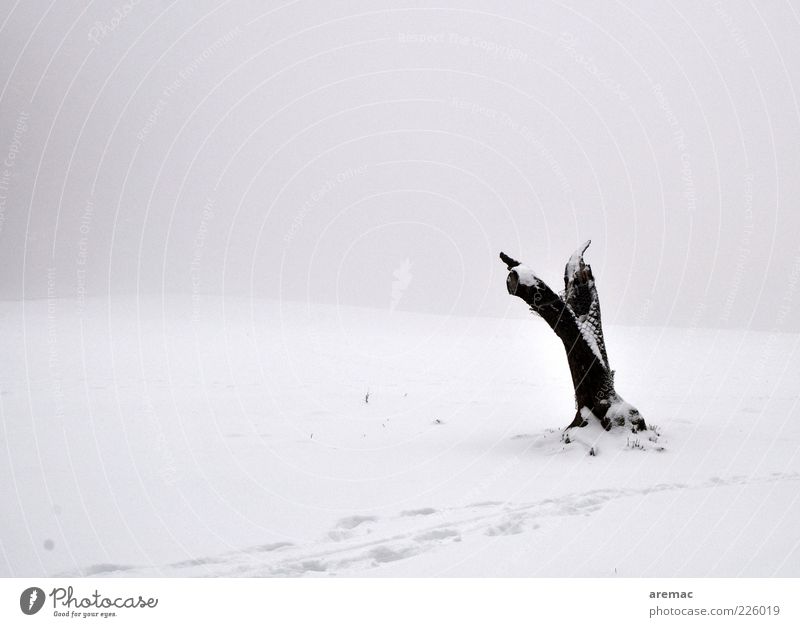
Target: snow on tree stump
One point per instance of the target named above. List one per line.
(575, 318)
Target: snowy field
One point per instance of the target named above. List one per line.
(236, 438)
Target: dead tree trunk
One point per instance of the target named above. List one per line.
(575, 318)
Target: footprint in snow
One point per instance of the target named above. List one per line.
(384, 554)
(346, 527)
(423, 511)
(438, 534)
(351, 522)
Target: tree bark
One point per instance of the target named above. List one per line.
(575, 319)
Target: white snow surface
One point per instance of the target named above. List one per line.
(588, 334)
(574, 262)
(526, 275)
(233, 438)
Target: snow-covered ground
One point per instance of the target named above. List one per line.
(173, 438)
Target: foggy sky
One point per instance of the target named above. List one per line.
(382, 153)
